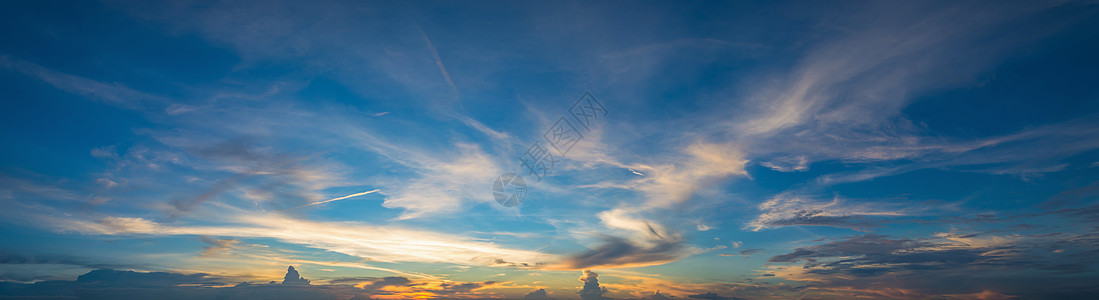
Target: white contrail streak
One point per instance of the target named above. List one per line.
(337, 199)
(438, 61)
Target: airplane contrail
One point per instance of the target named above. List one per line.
(339, 198)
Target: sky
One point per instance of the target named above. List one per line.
(549, 149)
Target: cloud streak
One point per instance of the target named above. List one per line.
(113, 94)
(341, 198)
(369, 242)
(789, 210)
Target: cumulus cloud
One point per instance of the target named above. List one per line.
(537, 294)
(591, 289)
(656, 296)
(293, 278)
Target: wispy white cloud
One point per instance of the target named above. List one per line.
(845, 99)
(369, 242)
(788, 210)
(34, 191)
(439, 62)
(443, 180)
(628, 237)
(217, 246)
(788, 163)
(1024, 153)
(113, 94)
(675, 178)
(858, 78)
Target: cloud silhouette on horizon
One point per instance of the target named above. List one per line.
(293, 278)
(127, 284)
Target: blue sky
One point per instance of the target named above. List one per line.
(744, 150)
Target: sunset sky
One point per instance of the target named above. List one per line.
(668, 149)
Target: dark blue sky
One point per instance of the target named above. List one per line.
(738, 150)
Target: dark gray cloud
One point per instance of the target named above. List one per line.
(272, 173)
(78, 264)
(375, 283)
(387, 281)
(111, 277)
(293, 278)
(1088, 213)
(713, 296)
(868, 246)
(617, 251)
(217, 246)
(118, 284)
(750, 252)
(819, 218)
(460, 288)
(62, 259)
(537, 294)
(1027, 266)
(745, 253)
(656, 296)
